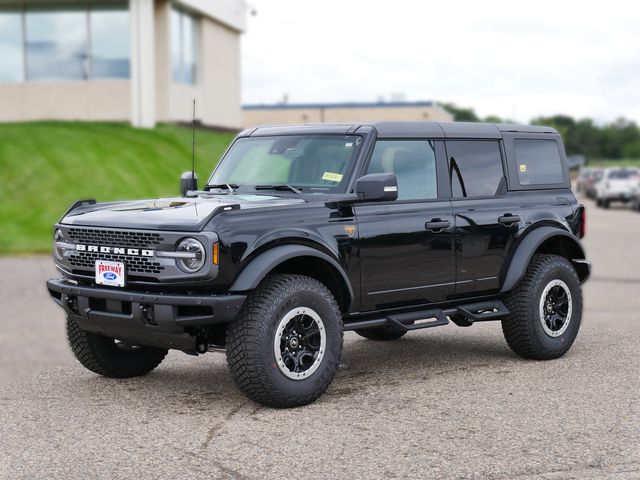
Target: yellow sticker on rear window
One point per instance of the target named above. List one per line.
(333, 177)
(523, 168)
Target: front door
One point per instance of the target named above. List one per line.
(406, 246)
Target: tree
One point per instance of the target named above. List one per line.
(632, 150)
(461, 114)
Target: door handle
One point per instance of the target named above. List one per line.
(508, 219)
(436, 225)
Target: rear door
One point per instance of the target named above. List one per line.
(486, 214)
(406, 246)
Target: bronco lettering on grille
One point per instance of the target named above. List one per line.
(134, 252)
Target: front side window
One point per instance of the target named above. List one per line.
(475, 168)
(311, 163)
(56, 45)
(184, 47)
(538, 162)
(414, 164)
(11, 53)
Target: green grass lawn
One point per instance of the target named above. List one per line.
(46, 166)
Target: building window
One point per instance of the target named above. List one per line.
(70, 43)
(184, 47)
(56, 45)
(110, 48)
(11, 55)
(475, 167)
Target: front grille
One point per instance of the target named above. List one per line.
(87, 261)
(115, 238)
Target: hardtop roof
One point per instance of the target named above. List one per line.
(399, 129)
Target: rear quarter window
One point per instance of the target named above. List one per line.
(538, 162)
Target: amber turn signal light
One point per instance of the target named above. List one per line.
(215, 253)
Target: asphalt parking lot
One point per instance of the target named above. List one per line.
(440, 403)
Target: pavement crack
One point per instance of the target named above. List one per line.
(214, 429)
(226, 472)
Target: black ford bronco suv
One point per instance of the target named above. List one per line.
(303, 232)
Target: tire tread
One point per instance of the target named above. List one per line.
(245, 358)
(518, 328)
(98, 355)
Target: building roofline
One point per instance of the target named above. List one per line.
(306, 106)
(232, 13)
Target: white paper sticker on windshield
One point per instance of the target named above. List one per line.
(348, 144)
(333, 177)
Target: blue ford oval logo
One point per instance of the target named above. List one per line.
(109, 275)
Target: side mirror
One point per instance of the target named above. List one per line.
(188, 182)
(377, 187)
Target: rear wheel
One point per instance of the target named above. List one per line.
(545, 309)
(110, 357)
(284, 347)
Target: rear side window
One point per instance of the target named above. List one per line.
(475, 167)
(538, 162)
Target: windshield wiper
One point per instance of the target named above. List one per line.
(229, 186)
(280, 186)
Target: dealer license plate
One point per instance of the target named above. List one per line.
(110, 273)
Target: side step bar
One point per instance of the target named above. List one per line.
(465, 316)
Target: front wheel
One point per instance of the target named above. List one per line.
(110, 357)
(284, 347)
(545, 309)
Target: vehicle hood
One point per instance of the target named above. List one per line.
(181, 214)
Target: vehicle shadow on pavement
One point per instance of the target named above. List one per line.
(186, 384)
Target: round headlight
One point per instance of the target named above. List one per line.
(58, 251)
(193, 262)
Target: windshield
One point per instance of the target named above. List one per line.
(622, 174)
(310, 163)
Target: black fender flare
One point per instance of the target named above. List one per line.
(528, 245)
(258, 268)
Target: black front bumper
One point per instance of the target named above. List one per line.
(154, 319)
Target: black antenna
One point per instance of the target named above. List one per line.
(193, 142)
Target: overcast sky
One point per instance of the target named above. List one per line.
(513, 59)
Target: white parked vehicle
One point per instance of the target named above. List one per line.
(617, 185)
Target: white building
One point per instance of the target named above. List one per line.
(142, 61)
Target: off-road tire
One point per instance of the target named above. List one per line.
(523, 328)
(250, 341)
(102, 355)
(384, 333)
